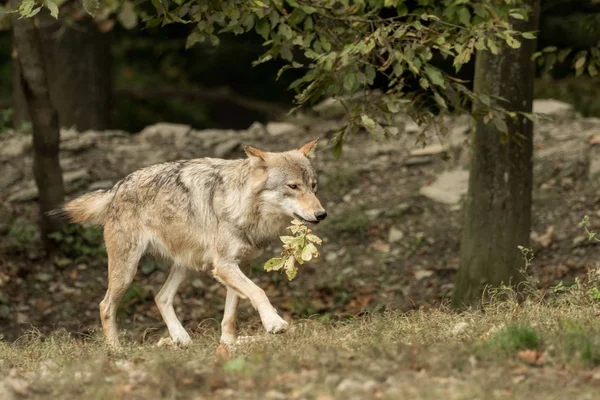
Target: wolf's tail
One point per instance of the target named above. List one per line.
(89, 208)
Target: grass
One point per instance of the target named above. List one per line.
(426, 354)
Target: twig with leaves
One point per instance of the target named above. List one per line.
(296, 249)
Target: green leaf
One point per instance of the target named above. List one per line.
(349, 81)
(193, 38)
(580, 63)
(91, 6)
(464, 16)
(528, 35)
(53, 7)
(435, 76)
(592, 70)
(337, 149)
(127, 16)
(325, 43)
(274, 264)
(500, 124)
(440, 100)
(517, 15)
(262, 28)
(372, 127)
(401, 9)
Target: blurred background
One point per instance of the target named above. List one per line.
(132, 97)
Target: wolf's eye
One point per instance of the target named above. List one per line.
(293, 187)
(314, 185)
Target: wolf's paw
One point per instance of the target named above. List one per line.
(182, 339)
(275, 324)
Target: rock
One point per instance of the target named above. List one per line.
(73, 176)
(349, 385)
(73, 180)
(275, 395)
(433, 149)
(417, 160)
(593, 167)
(224, 149)
(256, 129)
(459, 328)
(448, 188)
(554, 108)
(27, 193)
(421, 274)
(15, 146)
(395, 235)
(282, 128)
(10, 175)
(100, 185)
(166, 132)
(330, 108)
(78, 143)
(374, 213)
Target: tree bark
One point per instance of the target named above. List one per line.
(498, 207)
(78, 64)
(44, 119)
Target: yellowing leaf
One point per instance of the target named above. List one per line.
(290, 268)
(274, 264)
(309, 252)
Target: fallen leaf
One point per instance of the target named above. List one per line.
(543, 240)
(531, 357)
(380, 245)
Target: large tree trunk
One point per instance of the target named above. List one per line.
(78, 64)
(498, 207)
(44, 118)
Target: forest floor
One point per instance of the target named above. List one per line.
(391, 245)
(532, 350)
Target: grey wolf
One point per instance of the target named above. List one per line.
(201, 214)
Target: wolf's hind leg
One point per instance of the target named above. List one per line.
(123, 258)
(229, 323)
(164, 301)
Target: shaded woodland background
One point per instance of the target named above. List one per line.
(143, 77)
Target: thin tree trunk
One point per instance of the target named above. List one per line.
(44, 119)
(78, 65)
(498, 207)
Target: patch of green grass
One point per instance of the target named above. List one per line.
(80, 241)
(580, 342)
(512, 338)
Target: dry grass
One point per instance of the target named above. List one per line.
(531, 350)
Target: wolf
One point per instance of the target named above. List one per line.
(203, 214)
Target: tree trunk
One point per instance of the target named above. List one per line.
(44, 119)
(498, 207)
(78, 64)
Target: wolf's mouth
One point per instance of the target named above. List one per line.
(306, 221)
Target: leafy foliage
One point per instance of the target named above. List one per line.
(345, 47)
(296, 249)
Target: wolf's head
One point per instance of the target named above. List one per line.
(291, 182)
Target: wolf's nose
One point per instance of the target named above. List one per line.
(321, 215)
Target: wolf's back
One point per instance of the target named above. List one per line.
(89, 208)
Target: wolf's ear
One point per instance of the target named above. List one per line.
(255, 155)
(309, 148)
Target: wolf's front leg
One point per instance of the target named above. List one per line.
(234, 278)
